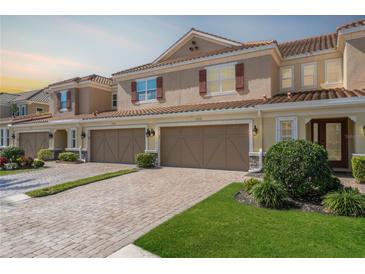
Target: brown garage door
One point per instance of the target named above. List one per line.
(214, 147)
(117, 145)
(32, 142)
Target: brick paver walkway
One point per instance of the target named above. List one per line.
(98, 219)
(53, 174)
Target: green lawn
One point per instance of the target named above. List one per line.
(65, 186)
(16, 171)
(221, 227)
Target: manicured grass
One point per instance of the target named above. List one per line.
(16, 171)
(65, 186)
(221, 227)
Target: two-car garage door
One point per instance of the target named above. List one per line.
(214, 147)
(32, 142)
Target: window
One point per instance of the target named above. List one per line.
(22, 110)
(287, 78)
(221, 79)
(4, 137)
(39, 110)
(63, 100)
(146, 90)
(114, 100)
(286, 128)
(309, 75)
(333, 71)
(72, 138)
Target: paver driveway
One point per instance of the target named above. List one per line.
(54, 174)
(98, 219)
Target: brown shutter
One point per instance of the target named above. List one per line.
(68, 99)
(134, 91)
(240, 85)
(159, 87)
(202, 82)
(58, 100)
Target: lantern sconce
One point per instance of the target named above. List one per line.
(83, 135)
(13, 136)
(50, 135)
(363, 130)
(150, 132)
(254, 130)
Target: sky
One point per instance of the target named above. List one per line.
(38, 50)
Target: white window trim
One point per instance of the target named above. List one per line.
(147, 100)
(222, 93)
(293, 119)
(292, 77)
(20, 108)
(114, 93)
(6, 137)
(69, 138)
(325, 71)
(315, 84)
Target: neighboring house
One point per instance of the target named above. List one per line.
(211, 102)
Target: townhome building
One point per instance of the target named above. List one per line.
(212, 102)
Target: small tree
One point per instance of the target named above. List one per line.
(14, 109)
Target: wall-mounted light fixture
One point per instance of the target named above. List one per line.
(254, 130)
(50, 135)
(150, 132)
(13, 136)
(83, 135)
(363, 130)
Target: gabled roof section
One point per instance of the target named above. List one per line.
(5, 98)
(308, 45)
(195, 33)
(38, 96)
(93, 77)
(351, 25)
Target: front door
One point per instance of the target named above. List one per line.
(332, 135)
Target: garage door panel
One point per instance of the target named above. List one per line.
(214, 147)
(32, 142)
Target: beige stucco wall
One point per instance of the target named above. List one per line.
(182, 87)
(93, 99)
(354, 64)
(32, 108)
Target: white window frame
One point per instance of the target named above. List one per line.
(146, 100)
(71, 138)
(292, 78)
(339, 60)
(314, 64)
(4, 137)
(294, 121)
(65, 108)
(22, 109)
(220, 92)
(116, 100)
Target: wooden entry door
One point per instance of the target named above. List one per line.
(332, 135)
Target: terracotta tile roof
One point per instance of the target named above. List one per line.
(38, 96)
(5, 98)
(92, 77)
(354, 24)
(31, 118)
(198, 56)
(308, 45)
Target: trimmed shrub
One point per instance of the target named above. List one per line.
(146, 159)
(301, 166)
(44, 154)
(38, 163)
(11, 166)
(269, 194)
(12, 153)
(25, 162)
(67, 156)
(3, 161)
(348, 202)
(358, 168)
(249, 184)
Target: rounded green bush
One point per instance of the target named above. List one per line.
(146, 159)
(37, 163)
(302, 167)
(44, 154)
(358, 168)
(347, 202)
(249, 184)
(12, 153)
(269, 194)
(67, 156)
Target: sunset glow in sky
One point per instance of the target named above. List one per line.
(38, 50)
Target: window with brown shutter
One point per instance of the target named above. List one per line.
(240, 85)
(134, 91)
(159, 87)
(202, 82)
(68, 100)
(59, 100)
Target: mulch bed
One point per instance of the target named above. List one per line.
(68, 162)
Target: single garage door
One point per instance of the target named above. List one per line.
(32, 142)
(117, 145)
(214, 147)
